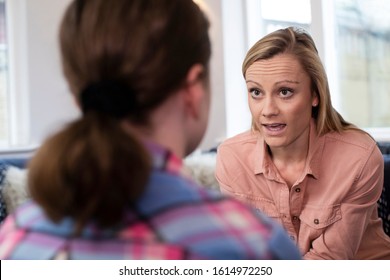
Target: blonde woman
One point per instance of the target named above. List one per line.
(302, 163)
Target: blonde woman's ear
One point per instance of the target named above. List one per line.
(315, 101)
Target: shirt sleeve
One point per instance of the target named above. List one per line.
(342, 239)
(223, 170)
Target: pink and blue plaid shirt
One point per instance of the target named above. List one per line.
(173, 219)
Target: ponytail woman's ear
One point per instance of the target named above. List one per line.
(196, 106)
(196, 92)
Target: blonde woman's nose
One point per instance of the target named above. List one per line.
(270, 107)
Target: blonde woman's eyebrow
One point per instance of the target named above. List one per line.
(287, 81)
(277, 83)
(250, 81)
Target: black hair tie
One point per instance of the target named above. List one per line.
(79, 10)
(109, 97)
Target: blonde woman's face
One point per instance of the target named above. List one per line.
(280, 100)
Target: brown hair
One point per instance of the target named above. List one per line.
(93, 169)
(300, 44)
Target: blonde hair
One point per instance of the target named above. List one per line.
(300, 44)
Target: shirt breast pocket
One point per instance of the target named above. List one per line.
(317, 218)
(268, 208)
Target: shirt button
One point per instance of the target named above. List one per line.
(316, 221)
(298, 190)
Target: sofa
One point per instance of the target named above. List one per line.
(384, 201)
(200, 166)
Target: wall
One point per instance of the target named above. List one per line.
(216, 130)
(235, 46)
(50, 102)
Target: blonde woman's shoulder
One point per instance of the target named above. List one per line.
(355, 137)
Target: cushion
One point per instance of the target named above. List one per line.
(3, 208)
(14, 188)
(201, 167)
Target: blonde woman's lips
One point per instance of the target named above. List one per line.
(274, 129)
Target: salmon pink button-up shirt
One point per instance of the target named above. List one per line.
(331, 211)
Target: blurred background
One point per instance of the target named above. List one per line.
(352, 36)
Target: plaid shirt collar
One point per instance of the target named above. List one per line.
(163, 159)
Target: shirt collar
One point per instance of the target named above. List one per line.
(262, 160)
(164, 159)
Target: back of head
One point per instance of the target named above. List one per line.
(147, 45)
(122, 59)
(300, 44)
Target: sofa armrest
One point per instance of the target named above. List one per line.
(384, 201)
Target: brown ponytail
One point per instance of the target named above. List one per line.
(90, 169)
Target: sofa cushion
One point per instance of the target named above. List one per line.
(3, 208)
(384, 147)
(5, 164)
(14, 188)
(384, 201)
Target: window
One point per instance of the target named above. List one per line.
(13, 114)
(353, 40)
(294, 13)
(37, 97)
(4, 89)
(363, 60)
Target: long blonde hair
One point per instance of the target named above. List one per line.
(300, 44)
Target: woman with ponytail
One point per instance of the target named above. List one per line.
(109, 185)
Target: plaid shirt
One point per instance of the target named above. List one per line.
(173, 219)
